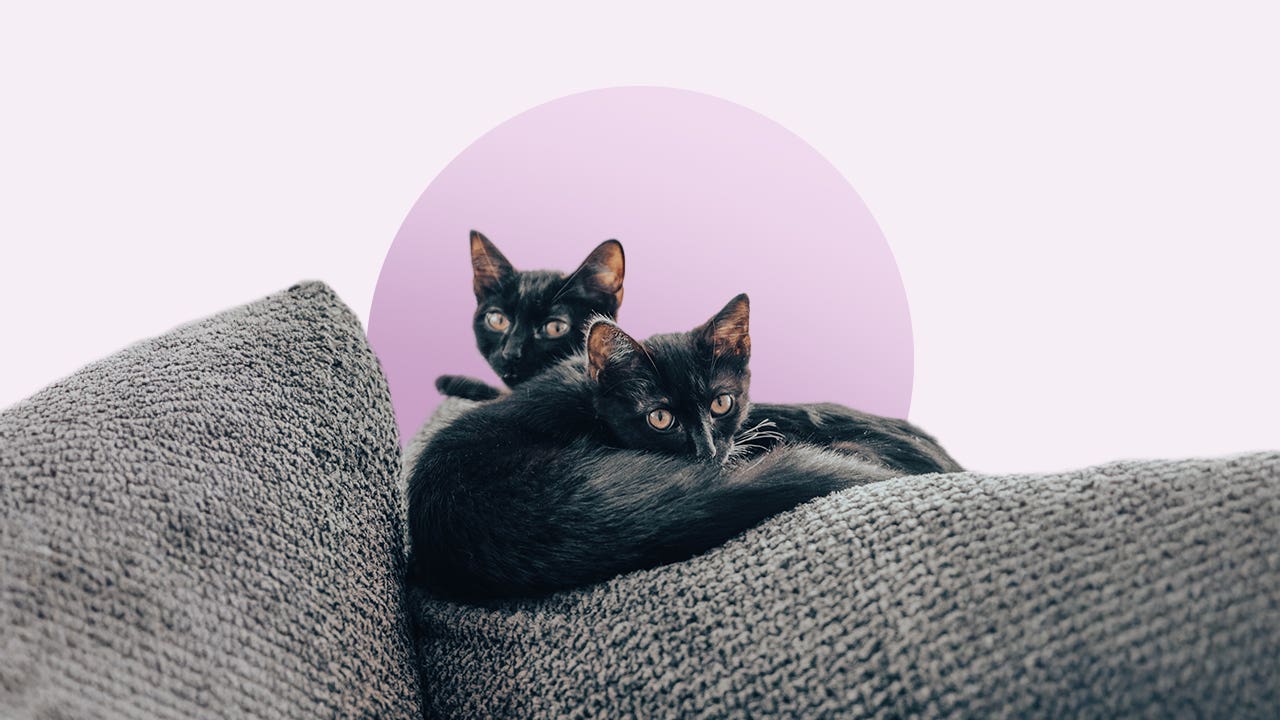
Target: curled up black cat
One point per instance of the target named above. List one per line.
(622, 456)
(526, 321)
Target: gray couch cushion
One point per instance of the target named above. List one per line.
(206, 524)
(1137, 588)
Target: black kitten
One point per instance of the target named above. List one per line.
(896, 444)
(527, 320)
(618, 458)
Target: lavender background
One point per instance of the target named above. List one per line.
(708, 198)
(1089, 240)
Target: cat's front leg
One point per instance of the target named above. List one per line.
(467, 388)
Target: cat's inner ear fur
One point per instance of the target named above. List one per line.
(728, 333)
(488, 264)
(602, 272)
(608, 347)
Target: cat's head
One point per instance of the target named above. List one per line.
(683, 393)
(527, 320)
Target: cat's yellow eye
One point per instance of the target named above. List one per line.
(497, 321)
(555, 328)
(661, 419)
(722, 404)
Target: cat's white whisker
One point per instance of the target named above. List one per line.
(760, 431)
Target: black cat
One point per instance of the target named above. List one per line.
(596, 286)
(527, 320)
(624, 456)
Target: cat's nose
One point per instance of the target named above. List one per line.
(704, 444)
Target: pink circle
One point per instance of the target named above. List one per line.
(709, 199)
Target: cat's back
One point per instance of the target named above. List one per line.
(535, 423)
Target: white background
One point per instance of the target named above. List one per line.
(1082, 201)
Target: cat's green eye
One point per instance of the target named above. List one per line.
(661, 419)
(555, 328)
(497, 321)
(722, 404)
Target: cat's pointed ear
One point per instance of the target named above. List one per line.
(609, 348)
(488, 264)
(728, 333)
(602, 272)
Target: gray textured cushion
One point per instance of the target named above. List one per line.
(207, 524)
(1137, 588)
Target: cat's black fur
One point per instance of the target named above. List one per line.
(530, 301)
(896, 444)
(564, 481)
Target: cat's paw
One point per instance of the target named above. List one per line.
(467, 388)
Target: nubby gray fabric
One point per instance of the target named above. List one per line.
(207, 524)
(1135, 588)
